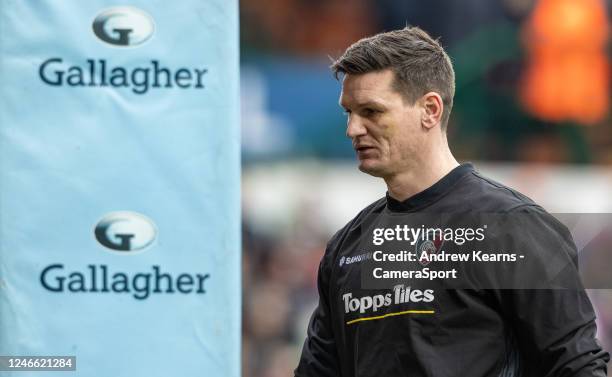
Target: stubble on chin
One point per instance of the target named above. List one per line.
(371, 170)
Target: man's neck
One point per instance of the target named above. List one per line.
(412, 181)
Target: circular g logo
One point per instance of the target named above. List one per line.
(123, 26)
(125, 231)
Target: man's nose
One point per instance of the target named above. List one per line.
(355, 127)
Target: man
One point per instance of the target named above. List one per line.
(397, 91)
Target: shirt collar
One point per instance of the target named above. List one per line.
(431, 194)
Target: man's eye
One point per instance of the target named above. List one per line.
(367, 112)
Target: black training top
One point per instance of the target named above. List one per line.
(436, 331)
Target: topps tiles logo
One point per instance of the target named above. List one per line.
(123, 233)
(120, 27)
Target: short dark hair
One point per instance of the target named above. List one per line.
(420, 64)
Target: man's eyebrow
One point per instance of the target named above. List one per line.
(365, 104)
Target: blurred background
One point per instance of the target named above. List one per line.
(532, 110)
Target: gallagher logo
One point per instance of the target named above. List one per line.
(123, 26)
(125, 231)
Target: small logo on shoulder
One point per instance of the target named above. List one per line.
(355, 259)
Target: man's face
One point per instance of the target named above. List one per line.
(385, 129)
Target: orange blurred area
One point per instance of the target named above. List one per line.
(567, 76)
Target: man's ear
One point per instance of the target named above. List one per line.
(432, 110)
